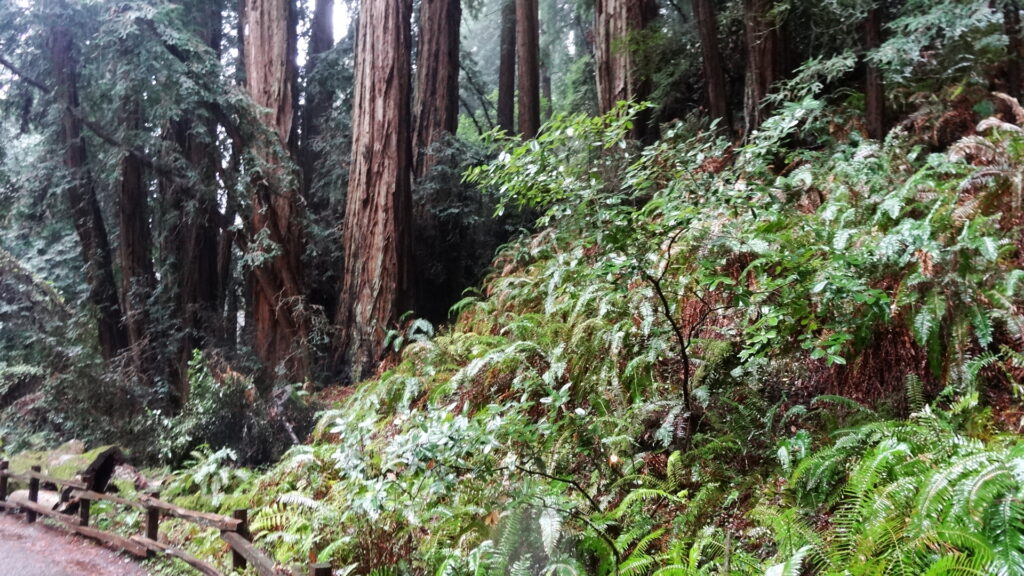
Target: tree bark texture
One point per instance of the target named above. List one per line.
(528, 51)
(436, 107)
(277, 296)
(874, 90)
(765, 58)
(507, 69)
(616, 23)
(83, 203)
(377, 239)
(135, 249)
(619, 73)
(714, 71)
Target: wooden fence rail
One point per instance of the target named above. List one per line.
(234, 530)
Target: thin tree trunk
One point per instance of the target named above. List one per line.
(507, 68)
(1011, 23)
(545, 92)
(528, 50)
(765, 56)
(619, 74)
(83, 202)
(436, 109)
(874, 91)
(714, 71)
(280, 326)
(377, 239)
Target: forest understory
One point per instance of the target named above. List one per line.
(496, 288)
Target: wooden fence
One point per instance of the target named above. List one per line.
(234, 530)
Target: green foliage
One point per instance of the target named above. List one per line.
(918, 498)
(554, 428)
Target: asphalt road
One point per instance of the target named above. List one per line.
(35, 550)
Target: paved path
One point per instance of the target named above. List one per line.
(35, 550)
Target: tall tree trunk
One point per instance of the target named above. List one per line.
(377, 239)
(270, 69)
(83, 202)
(318, 96)
(507, 68)
(619, 75)
(874, 91)
(765, 58)
(135, 250)
(714, 71)
(192, 242)
(436, 109)
(1011, 24)
(528, 49)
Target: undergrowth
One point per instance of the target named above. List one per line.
(797, 356)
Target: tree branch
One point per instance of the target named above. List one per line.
(479, 95)
(25, 77)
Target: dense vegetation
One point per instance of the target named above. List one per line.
(775, 337)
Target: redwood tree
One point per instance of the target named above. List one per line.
(377, 239)
(528, 49)
(436, 107)
(277, 296)
(507, 68)
(874, 90)
(82, 200)
(192, 274)
(714, 71)
(766, 57)
(618, 75)
(135, 248)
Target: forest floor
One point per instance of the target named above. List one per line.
(35, 550)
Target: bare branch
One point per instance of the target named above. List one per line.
(25, 77)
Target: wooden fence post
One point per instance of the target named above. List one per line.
(153, 524)
(84, 504)
(320, 570)
(4, 464)
(33, 493)
(242, 514)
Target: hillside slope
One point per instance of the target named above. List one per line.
(797, 356)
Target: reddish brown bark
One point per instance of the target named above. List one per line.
(83, 203)
(714, 71)
(528, 51)
(765, 58)
(616, 23)
(619, 73)
(436, 108)
(377, 239)
(279, 325)
(507, 69)
(874, 90)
